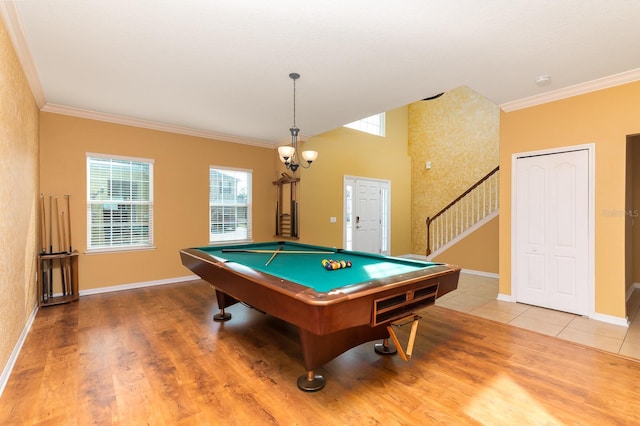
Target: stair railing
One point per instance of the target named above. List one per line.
(473, 205)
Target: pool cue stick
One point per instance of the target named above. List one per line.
(63, 282)
(275, 253)
(43, 240)
(67, 269)
(64, 232)
(68, 197)
(43, 228)
(50, 245)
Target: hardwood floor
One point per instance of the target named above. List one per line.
(154, 356)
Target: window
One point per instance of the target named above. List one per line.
(229, 205)
(119, 203)
(348, 216)
(373, 124)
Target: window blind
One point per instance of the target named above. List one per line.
(119, 203)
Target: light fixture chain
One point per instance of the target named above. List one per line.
(294, 102)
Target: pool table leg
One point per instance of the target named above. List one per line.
(311, 382)
(384, 348)
(224, 301)
(222, 316)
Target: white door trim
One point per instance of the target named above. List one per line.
(385, 215)
(591, 147)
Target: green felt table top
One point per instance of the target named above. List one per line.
(306, 268)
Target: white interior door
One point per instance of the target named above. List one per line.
(367, 216)
(551, 223)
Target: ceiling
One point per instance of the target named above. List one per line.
(221, 67)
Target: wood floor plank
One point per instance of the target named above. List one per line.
(154, 356)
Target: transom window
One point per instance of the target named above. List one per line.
(229, 205)
(373, 124)
(119, 203)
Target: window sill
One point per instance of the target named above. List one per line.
(229, 242)
(119, 250)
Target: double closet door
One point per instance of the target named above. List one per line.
(551, 224)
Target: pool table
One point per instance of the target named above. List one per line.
(334, 310)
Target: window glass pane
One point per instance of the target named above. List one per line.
(120, 203)
(373, 124)
(384, 232)
(348, 218)
(229, 205)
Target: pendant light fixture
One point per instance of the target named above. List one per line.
(289, 154)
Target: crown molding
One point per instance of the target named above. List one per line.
(134, 122)
(15, 31)
(287, 140)
(12, 23)
(575, 90)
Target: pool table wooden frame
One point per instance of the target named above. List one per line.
(329, 323)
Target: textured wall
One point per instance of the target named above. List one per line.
(19, 197)
(459, 133)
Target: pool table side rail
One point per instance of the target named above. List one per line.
(319, 313)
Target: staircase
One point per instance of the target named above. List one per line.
(472, 208)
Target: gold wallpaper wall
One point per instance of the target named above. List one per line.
(19, 197)
(459, 133)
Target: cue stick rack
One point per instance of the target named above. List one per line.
(57, 278)
(287, 209)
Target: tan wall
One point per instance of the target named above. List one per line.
(181, 191)
(477, 252)
(459, 133)
(605, 118)
(19, 197)
(345, 151)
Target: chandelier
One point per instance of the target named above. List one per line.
(289, 154)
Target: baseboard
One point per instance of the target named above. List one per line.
(8, 368)
(611, 319)
(132, 286)
(481, 273)
(466, 271)
(414, 256)
(633, 287)
(506, 298)
(596, 316)
(464, 234)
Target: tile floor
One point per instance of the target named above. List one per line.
(477, 295)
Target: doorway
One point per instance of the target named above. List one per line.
(366, 215)
(552, 219)
(632, 215)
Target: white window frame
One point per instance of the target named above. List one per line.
(225, 224)
(374, 124)
(98, 196)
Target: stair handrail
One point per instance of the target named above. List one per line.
(454, 202)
